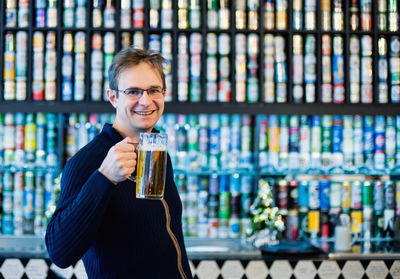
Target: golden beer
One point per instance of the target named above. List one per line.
(151, 172)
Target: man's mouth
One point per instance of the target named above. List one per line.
(144, 112)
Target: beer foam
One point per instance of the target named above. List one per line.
(152, 147)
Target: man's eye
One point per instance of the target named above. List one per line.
(154, 90)
(133, 92)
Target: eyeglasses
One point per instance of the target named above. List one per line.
(155, 92)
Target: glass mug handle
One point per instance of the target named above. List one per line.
(133, 177)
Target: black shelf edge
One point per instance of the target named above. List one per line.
(208, 108)
(55, 107)
(388, 33)
(15, 29)
(283, 108)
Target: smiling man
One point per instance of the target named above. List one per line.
(98, 217)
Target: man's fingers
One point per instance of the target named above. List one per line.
(127, 144)
(125, 140)
(125, 147)
(129, 140)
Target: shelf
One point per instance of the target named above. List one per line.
(31, 246)
(55, 107)
(208, 108)
(217, 172)
(285, 108)
(292, 172)
(15, 29)
(388, 33)
(321, 172)
(45, 169)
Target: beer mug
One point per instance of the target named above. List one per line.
(151, 166)
(344, 239)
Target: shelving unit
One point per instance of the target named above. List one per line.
(204, 107)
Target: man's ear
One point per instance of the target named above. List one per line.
(112, 97)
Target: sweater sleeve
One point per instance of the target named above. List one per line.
(84, 197)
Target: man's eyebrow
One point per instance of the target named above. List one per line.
(137, 87)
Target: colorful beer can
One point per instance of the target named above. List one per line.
(303, 194)
(356, 217)
(378, 196)
(389, 195)
(356, 195)
(324, 194)
(303, 222)
(335, 197)
(397, 197)
(282, 195)
(313, 222)
(313, 194)
(367, 190)
(346, 196)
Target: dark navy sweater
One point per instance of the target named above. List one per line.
(115, 234)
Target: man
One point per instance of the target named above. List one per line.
(98, 217)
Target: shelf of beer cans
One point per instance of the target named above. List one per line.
(202, 144)
(219, 160)
(308, 58)
(252, 52)
(29, 142)
(311, 206)
(29, 165)
(32, 152)
(284, 144)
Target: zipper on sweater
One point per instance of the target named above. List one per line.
(173, 238)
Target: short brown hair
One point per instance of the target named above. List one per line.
(133, 56)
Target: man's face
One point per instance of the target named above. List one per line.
(137, 115)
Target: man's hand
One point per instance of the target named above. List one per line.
(120, 161)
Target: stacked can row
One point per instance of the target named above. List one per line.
(218, 67)
(216, 142)
(334, 68)
(329, 143)
(195, 142)
(81, 128)
(312, 207)
(28, 140)
(361, 71)
(296, 143)
(349, 144)
(246, 14)
(16, 63)
(26, 202)
(361, 15)
(332, 15)
(215, 205)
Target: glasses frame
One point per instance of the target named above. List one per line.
(142, 90)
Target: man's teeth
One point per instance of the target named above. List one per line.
(144, 112)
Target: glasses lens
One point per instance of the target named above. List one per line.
(155, 92)
(134, 92)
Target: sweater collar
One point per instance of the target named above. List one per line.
(111, 132)
(114, 135)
